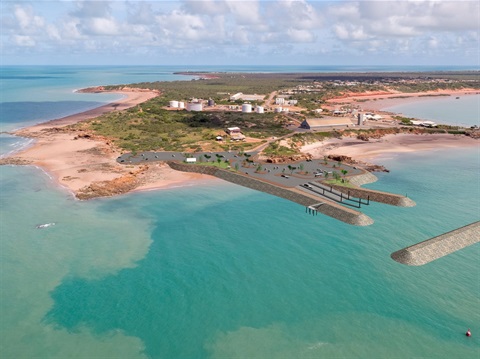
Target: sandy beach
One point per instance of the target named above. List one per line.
(368, 151)
(86, 164)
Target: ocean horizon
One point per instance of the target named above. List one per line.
(222, 271)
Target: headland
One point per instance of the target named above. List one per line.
(82, 151)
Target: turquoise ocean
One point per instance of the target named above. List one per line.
(221, 271)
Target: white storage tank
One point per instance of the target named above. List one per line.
(278, 109)
(194, 106)
(246, 108)
(173, 104)
(259, 109)
(181, 104)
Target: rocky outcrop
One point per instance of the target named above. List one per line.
(117, 186)
(370, 167)
(14, 161)
(288, 159)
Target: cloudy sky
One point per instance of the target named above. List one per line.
(300, 32)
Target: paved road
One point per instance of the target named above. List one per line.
(298, 174)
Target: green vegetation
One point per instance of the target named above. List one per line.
(275, 149)
(339, 182)
(150, 127)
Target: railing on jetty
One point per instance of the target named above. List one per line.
(335, 195)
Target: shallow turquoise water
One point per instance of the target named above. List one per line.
(461, 111)
(220, 271)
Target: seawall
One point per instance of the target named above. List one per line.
(375, 196)
(437, 247)
(321, 205)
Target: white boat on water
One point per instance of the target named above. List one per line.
(45, 225)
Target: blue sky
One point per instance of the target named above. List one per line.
(202, 32)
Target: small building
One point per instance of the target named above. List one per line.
(279, 101)
(278, 109)
(211, 102)
(236, 97)
(233, 130)
(190, 160)
(237, 137)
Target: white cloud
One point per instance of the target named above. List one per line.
(186, 28)
(24, 41)
(300, 35)
(27, 20)
(102, 26)
(88, 9)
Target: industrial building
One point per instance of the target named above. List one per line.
(315, 123)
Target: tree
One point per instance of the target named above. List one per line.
(344, 172)
(301, 167)
(326, 175)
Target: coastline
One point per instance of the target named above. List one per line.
(86, 165)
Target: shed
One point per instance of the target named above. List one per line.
(314, 123)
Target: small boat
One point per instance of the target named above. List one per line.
(45, 225)
(456, 98)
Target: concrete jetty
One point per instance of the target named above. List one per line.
(328, 208)
(440, 246)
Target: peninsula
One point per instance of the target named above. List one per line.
(305, 137)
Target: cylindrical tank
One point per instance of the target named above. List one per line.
(194, 106)
(173, 104)
(246, 107)
(259, 109)
(278, 109)
(181, 104)
(211, 102)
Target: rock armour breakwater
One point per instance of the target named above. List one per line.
(326, 207)
(375, 196)
(440, 246)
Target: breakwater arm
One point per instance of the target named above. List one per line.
(373, 195)
(440, 246)
(326, 207)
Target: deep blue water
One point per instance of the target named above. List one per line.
(221, 271)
